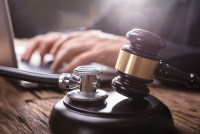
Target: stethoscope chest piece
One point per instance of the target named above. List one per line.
(88, 88)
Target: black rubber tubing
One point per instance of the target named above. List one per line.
(14, 73)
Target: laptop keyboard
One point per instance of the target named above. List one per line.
(43, 68)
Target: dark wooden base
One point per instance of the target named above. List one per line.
(118, 116)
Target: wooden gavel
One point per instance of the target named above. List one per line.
(138, 63)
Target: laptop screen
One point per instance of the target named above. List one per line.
(7, 53)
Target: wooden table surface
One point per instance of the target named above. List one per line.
(27, 111)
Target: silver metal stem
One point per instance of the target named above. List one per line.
(87, 84)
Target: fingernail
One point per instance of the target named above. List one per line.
(24, 58)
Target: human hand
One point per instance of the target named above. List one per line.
(77, 48)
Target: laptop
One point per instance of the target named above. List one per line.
(10, 53)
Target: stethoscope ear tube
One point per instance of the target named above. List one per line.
(62, 81)
(14, 73)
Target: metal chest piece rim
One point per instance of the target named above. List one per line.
(89, 82)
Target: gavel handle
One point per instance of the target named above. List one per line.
(167, 72)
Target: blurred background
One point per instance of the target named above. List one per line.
(32, 17)
(176, 21)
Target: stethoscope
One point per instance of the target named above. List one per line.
(84, 81)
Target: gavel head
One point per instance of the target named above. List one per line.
(136, 63)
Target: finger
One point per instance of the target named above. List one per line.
(82, 59)
(60, 42)
(57, 45)
(67, 52)
(47, 44)
(34, 43)
(58, 60)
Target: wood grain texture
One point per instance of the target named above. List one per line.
(184, 105)
(24, 111)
